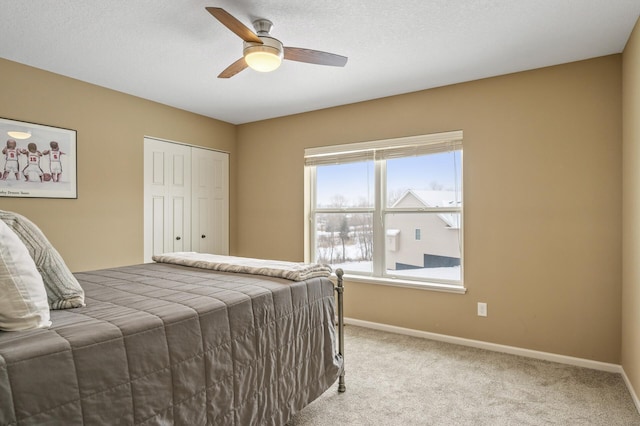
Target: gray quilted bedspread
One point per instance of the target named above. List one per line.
(173, 345)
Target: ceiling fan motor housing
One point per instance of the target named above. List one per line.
(269, 45)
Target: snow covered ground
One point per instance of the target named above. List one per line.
(352, 264)
(452, 273)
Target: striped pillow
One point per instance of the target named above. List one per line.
(63, 290)
(23, 304)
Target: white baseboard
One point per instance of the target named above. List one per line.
(634, 395)
(562, 359)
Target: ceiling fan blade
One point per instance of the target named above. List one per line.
(233, 24)
(234, 68)
(314, 57)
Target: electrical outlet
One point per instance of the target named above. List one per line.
(482, 309)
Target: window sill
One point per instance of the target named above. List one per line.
(394, 282)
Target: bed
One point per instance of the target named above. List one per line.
(164, 343)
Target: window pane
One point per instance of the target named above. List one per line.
(345, 240)
(433, 180)
(435, 255)
(345, 185)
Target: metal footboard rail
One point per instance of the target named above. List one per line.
(339, 288)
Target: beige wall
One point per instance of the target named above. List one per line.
(543, 184)
(631, 210)
(542, 177)
(103, 227)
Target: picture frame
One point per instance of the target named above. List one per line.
(37, 161)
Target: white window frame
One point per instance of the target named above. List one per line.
(379, 151)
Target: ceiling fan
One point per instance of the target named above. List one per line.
(265, 53)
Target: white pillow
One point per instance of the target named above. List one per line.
(23, 298)
(63, 289)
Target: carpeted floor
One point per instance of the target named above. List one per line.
(401, 380)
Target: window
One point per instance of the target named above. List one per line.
(388, 210)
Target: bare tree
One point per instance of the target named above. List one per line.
(338, 201)
(395, 194)
(363, 235)
(331, 228)
(344, 235)
(434, 185)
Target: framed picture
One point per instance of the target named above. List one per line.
(37, 161)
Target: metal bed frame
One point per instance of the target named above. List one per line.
(339, 288)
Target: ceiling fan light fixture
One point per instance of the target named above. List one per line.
(16, 134)
(264, 57)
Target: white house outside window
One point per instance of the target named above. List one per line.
(388, 210)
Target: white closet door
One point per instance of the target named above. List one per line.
(210, 203)
(167, 197)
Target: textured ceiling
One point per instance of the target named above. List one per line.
(171, 51)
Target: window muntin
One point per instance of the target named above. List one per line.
(366, 213)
